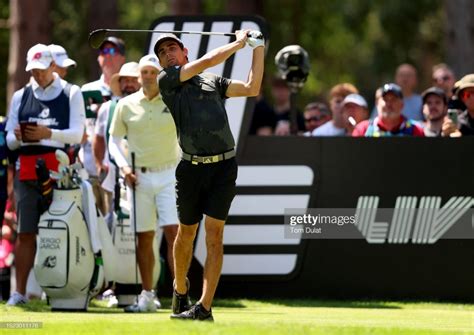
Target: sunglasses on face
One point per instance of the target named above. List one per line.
(443, 78)
(313, 118)
(467, 94)
(108, 51)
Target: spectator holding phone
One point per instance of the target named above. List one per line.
(53, 114)
(465, 124)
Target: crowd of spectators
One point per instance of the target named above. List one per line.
(445, 109)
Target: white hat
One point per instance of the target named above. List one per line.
(149, 60)
(60, 56)
(355, 99)
(129, 69)
(38, 57)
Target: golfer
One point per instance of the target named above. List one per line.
(205, 177)
(151, 134)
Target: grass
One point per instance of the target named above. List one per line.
(256, 317)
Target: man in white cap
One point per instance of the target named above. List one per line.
(51, 114)
(62, 61)
(122, 84)
(151, 134)
(354, 111)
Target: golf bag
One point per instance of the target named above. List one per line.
(71, 242)
(126, 288)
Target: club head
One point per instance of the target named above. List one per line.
(97, 37)
(62, 158)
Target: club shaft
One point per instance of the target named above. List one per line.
(134, 207)
(170, 31)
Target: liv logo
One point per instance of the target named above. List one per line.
(423, 220)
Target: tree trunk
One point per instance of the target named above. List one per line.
(30, 24)
(101, 14)
(185, 7)
(239, 7)
(459, 35)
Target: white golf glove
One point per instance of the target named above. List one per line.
(255, 39)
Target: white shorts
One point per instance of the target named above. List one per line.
(155, 199)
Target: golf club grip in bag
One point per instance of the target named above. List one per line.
(45, 184)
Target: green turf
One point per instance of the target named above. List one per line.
(256, 317)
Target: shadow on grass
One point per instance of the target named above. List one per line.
(99, 307)
(228, 303)
(335, 304)
(313, 303)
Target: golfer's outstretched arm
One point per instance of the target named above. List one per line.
(213, 57)
(251, 88)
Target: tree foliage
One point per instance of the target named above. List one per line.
(4, 42)
(359, 41)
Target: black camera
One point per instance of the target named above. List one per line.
(293, 65)
(456, 104)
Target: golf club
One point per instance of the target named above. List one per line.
(97, 37)
(134, 204)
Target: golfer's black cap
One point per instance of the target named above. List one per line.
(118, 42)
(167, 37)
(392, 88)
(436, 91)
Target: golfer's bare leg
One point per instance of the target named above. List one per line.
(146, 258)
(24, 257)
(215, 255)
(183, 253)
(170, 236)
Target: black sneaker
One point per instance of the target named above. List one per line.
(181, 302)
(196, 312)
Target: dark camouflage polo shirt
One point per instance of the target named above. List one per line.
(198, 109)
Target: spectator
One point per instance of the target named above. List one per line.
(336, 127)
(263, 119)
(406, 77)
(282, 107)
(444, 78)
(435, 108)
(377, 96)
(354, 111)
(111, 58)
(55, 112)
(390, 121)
(7, 243)
(315, 115)
(151, 133)
(122, 84)
(62, 62)
(465, 126)
(7, 226)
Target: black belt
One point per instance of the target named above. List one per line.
(195, 159)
